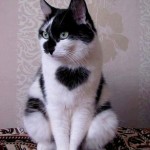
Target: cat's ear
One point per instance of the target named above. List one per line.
(79, 10)
(46, 8)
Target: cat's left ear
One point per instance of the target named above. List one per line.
(46, 8)
(79, 10)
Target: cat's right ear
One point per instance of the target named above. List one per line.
(46, 8)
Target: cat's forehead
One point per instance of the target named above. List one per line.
(47, 24)
(56, 19)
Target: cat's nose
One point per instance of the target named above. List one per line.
(49, 47)
(49, 50)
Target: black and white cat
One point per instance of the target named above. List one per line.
(68, 104)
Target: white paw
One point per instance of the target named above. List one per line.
(45, 146)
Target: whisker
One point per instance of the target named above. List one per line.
(72, 59)
(77, 58)
(82, 60)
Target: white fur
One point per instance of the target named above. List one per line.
(35, 90)
(50, 65)
(42, 40)
(48, 24)
(46, 146)
(38, 127)
(72, 48)
(102, 130)
(71, 113)
(81, 120)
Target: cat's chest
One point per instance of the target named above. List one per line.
(65, 84)
(65, 77)
(71, 78)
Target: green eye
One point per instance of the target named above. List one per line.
(64, 35)
(45, 35)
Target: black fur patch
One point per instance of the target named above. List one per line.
(49, 46)
(99, 90)
(65, 22)
(35, 105)
(104, 107)
(42, 85)
(72, 78)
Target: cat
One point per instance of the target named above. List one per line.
(68, 106)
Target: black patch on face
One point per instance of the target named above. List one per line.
(104, 107)
(72, 78)
(99, 90)
(42, 85)
(64, 22)
(49, 46)
(35, 105)
(47, 19)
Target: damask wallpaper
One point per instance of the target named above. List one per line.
(124, 32)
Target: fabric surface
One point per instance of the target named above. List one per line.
(126, 139)
(15, 139)
(131, 139)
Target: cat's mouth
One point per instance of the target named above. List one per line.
(63, 57)
(59, 56)
(63, 53)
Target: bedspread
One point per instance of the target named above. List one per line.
(126, 139)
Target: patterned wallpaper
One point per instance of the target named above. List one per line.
(144, 46)
(124, 32)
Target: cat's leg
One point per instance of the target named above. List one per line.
(35, 118)
(80, 124)
(37, 124)
(102, 129)
(60, 125)
(104, 124)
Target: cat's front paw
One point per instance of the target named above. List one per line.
(45, 146)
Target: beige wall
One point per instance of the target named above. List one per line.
(124, 32)
(8, 63)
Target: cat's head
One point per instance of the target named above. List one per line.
(67, 34)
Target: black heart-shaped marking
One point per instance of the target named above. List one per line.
(72, 78)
